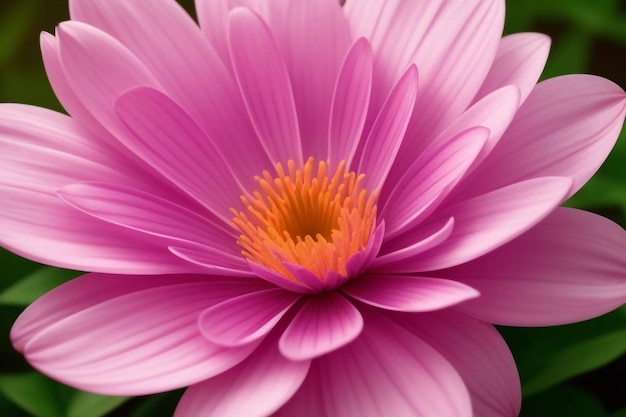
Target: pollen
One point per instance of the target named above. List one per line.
(307, 217)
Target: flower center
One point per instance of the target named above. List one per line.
(306, 217)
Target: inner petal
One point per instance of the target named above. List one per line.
(306, 216)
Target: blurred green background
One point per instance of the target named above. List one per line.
(575, 371)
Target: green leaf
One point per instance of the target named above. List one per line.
(157, 405)
(548, 356)
(35, 393)
(563, 401)
(14, 26)
(33, 286)
(85, 404)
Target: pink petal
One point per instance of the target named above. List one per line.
(213, 19)
(431, 178)
(451, 43)
(313, 37)
(265, 86)
(520, 60)
(377, 375)
(98, 69)
(494, 111)
(478, 353)
(410, 245)
(381, 146)
(62, 89)
(151, 214)
(166, 137)
(244, 319)
(170, 45)
(350, 103)
(487, 222)
(43, 151)
(279, 280)
(127, 335)
(256, 387)
(211, 260)
(568, 268)
(566, 127)
(408, 293)
(326, 322)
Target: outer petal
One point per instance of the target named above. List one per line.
(44, 151)
(520, 60)
(350, 103)
(478, 353)
(378, 375)
(168, 43)
(264, 85)
(325, 322)
(407, 293)
(451, 42)
(98, 69)
(151, 214)
(62, 89)
(566, 127)
(256, 387)
(486, 222)
(429, 180)
(313, 53)
(244, 319)
(213, 19)
(381, 146)
(166, 137)
(127, 335)
(568, 268)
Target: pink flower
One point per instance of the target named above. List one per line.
(304, 209)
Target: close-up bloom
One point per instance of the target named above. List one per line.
(299, 208)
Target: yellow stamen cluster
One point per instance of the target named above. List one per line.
(302, 216)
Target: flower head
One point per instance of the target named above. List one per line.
(303, 209)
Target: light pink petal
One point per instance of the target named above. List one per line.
(247, 318)
(98, 69)
(211, 259)
(166, 137)
(313, 37)
(478, 353)
(381, 146)
(408, 293)
(520, 60)
(43, 151)
(256, 387)
(568, 268)
(62, 89)
(279, 280)
(326, 322)
(265, 86)
(350, 103)
(313, 54)
(452, 43)
(487, 222)
(430, 179)
(386, 371)
(41, 227)
(151, 214)
(412, 244)
(127, 335)
(566, 127)
(213, 19)
(494, 111)
(173, 49)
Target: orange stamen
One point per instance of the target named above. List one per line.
(307, 218)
